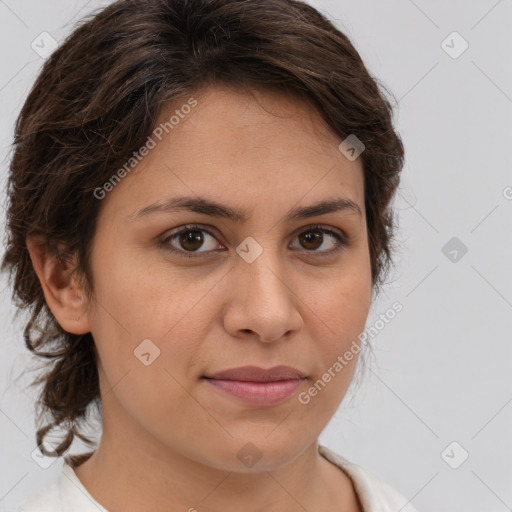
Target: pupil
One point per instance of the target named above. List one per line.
(192, 237)
(311, 237)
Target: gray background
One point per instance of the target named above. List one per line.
(442, 370)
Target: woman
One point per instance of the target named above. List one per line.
(199, 219)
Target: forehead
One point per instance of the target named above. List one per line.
(252, 148)
(238, 112)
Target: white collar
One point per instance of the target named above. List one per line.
(374, 494)
(73, 495)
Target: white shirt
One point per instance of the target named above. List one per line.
(70, 495)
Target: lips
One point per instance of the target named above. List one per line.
(257, 374)
(257, 387)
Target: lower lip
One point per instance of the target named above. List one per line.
(258, 393)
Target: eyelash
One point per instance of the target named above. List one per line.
(342, 241)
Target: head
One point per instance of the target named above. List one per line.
(239, 103)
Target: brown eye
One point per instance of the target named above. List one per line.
(191, 240)
(315, 237)
(311, 240)
(188, 240)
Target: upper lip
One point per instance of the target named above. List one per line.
(257, 374)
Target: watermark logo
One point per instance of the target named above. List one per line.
(249, 455)
(454, 455)
(147, 352)
(249, 249)
(40, 455)
(454, 45)
(44, 44)
(454, 249)
(351, 147)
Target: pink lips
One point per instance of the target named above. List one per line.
(258, 386)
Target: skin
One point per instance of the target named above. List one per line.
(170, 439)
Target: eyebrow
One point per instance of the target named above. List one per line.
(239, 215)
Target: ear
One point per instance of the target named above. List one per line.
(62, 292)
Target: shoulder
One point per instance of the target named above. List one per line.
(375, 494)
(46, 500)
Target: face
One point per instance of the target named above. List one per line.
(211, 292)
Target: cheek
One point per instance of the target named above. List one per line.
(338, 310)
(147, 332)
(336, 354)
(136, 302)
(342, 300)
(144, 296)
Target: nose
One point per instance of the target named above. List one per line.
(263, 302)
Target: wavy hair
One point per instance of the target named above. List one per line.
(95, 102)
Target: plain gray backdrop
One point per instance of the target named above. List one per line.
(434, 415)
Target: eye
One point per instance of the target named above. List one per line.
(188, 240)
(314, 238)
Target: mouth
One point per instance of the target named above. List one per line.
(258, 386)
(257, 374)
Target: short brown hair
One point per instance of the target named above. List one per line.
(96, 101)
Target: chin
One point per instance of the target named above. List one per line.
(257, 454)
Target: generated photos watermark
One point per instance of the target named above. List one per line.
(343, 360)
(158, 133)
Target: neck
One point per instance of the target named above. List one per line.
(139, 479)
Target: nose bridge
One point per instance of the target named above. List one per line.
(263, 276)
(264, 300)
(261, 267)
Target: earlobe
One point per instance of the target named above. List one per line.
(62, 292)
